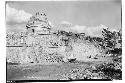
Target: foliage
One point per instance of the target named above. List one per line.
(111, 39)
(110, 70)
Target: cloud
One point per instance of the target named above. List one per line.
(64, 25)
(95, 31)
(17, 16)
(78, 29)
(15, 28)
(91, 31)
(66, 22)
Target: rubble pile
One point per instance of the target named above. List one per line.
(39, 44)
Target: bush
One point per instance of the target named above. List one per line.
(110, 70)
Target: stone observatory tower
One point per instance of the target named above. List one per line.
(39, 24)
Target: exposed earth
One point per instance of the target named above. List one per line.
(61, 71)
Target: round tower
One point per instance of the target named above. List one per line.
(39, 24)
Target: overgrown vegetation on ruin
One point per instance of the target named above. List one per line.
(68, 47)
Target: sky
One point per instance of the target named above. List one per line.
(85, 16)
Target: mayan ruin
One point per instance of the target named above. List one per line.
(39, 42)
(36, 49)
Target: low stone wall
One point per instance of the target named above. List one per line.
(32, 55)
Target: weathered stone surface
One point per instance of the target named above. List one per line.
(39, 45)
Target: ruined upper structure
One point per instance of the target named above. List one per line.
(39, 24)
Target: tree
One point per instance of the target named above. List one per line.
(109, 39)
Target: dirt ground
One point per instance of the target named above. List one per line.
(40, 72)
(45, 72)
